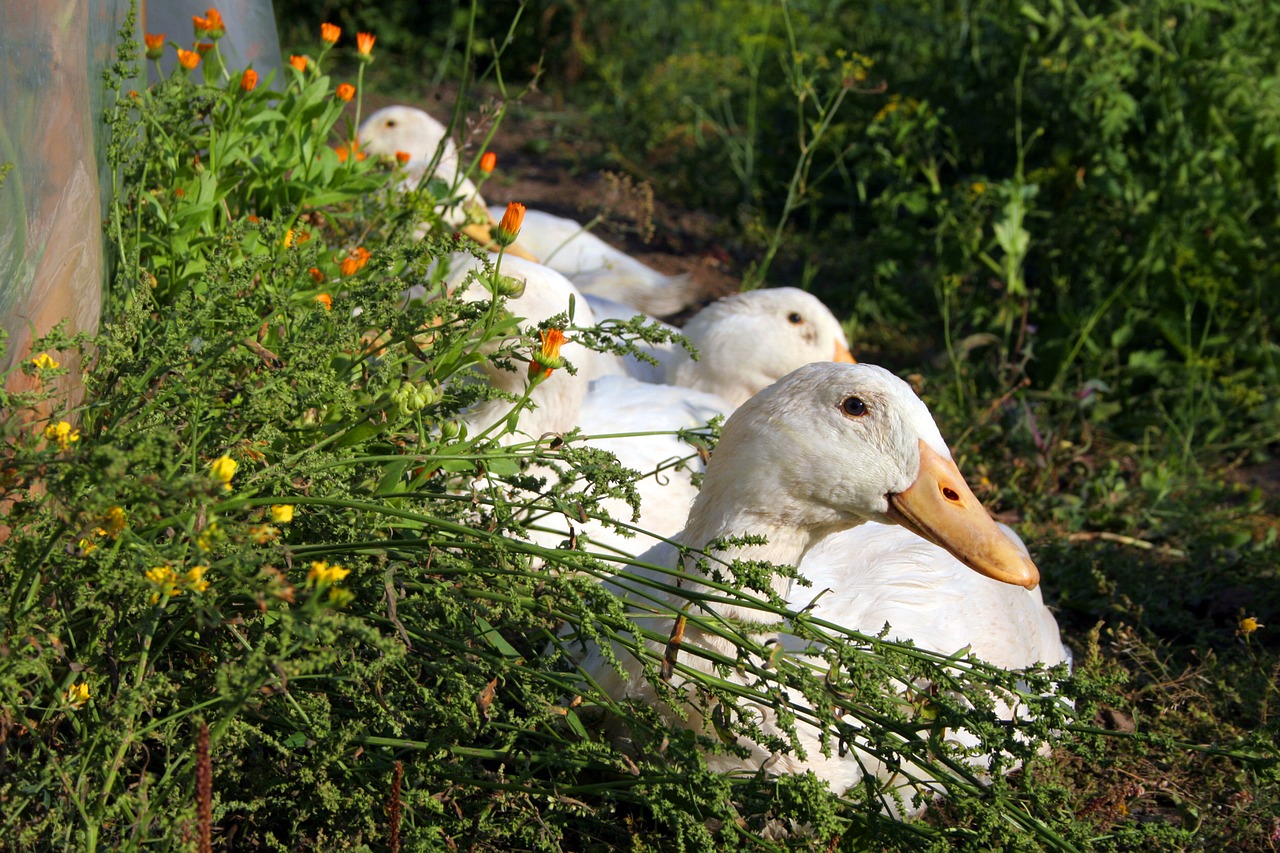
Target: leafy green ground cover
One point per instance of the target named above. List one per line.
(265, 590)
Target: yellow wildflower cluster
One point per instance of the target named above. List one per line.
(44, 361)
(169, 583)
(322, 573)
(896, 102)
(61, 434)
(282, 513)
(113, 522)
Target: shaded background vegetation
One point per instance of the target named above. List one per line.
(1060, 216)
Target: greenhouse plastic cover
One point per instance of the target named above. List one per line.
(54, 198)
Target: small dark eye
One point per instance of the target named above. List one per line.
(391, 122)
(794, 317)
(853, 407)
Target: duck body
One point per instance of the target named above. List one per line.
(826, 448)
(599, 269)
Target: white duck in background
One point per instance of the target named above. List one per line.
(599, 269)
(410, 130)
(826, 448)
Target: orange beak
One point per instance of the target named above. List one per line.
(940, 507)
(843, 354)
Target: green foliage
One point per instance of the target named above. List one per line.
(271, 517)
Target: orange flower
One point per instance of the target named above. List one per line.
(345, 92)
(326, 300)
(329, 33)
(509, 226)
(316, 275)
(344, 151)
(548, 358)
(210, 25)
(188, 59)
(350, 266)
(364, 44)
(253, 219)
(298, 62)
(155, 45)
(248, 80)
(362, 256)
(488, 162)
(204, 47)
(403, 157)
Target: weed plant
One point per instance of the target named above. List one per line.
(265, 588)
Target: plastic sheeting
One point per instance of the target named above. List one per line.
(54, 198)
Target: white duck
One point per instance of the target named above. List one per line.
(599, 269)
(410, 130)
(826, 448)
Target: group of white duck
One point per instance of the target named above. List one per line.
(836, 467)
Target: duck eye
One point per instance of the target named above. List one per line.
(391, 122)
(853, 407)
(795, 318)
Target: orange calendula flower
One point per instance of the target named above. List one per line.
(488, 162)
(362, 256)
(204, 47)
(345, 92)
(210, 25)
(188, 59)
(509, 226)
(326, 300)
(350, 266)
(316, 275)
(248, 80)
(299, 63)
(344, 151)
(403, 157)
(548, 358)
(364, 44)
(155, 45)
(330, 33)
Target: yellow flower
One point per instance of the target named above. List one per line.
(509, 225)
(261, 534)
(86, 546)
(282, 513)
(330, 33)
(322, 573)
(44, 361)
(165, 581)
(345, 92)
(62, 434)
(1249, 624)
(207, 537)
(113, 522)
(224, 468)
(548, 359)
(195, 578)
(77, 694)
(977, 188)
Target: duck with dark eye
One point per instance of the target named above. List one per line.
(853, 407)
(795, 318)
(791, 466)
